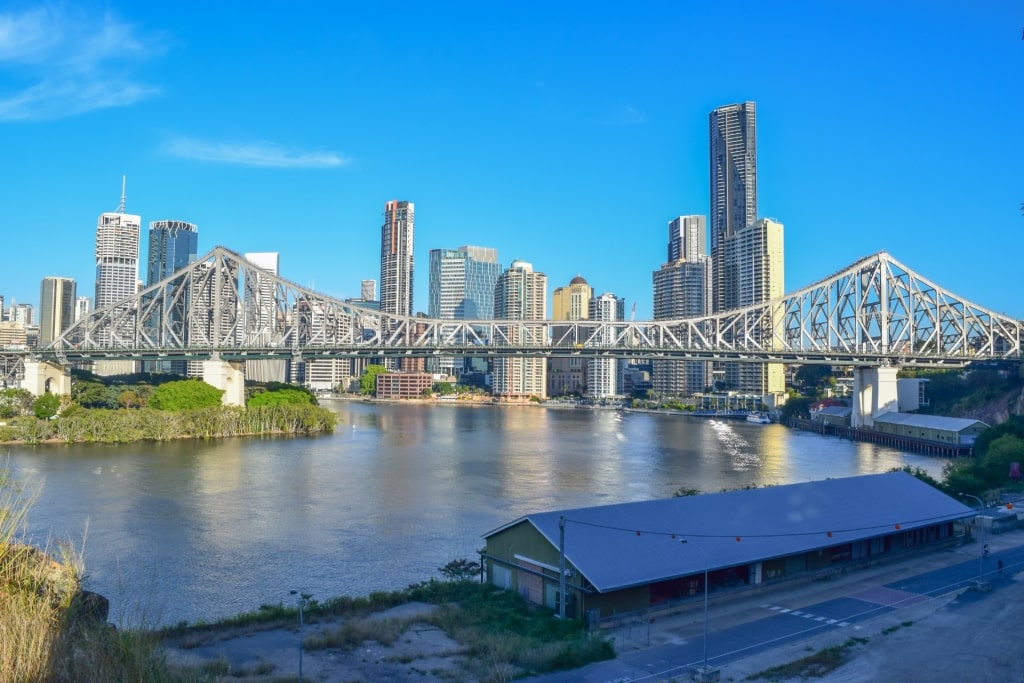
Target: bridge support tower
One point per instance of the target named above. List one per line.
(874, 393)
(227, 376)
(42, 377)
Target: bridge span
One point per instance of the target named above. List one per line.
(874, 314)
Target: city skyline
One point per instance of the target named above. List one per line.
(572, 155)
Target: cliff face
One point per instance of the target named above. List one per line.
(999, 411)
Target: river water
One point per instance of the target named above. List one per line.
(196, 530)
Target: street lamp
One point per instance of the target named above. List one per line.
(301, 599)
(704, 555)
(981, 553)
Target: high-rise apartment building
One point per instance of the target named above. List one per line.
(733, 132)
(56, 308)
(396, 262)
(682, 289)
(687, 238)
(520, 294)
(604, 375)
(568, 376)
(368, 290)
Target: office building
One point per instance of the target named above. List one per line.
(462, 288)
(604, 375)
(368, 290)
(172, 246)
(56, 308)
(83, 307)
(117, 275)
(567, 376)
(520, 294)
(396, 262)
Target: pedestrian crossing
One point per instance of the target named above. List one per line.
(809, 616)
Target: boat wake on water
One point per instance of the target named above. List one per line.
(741, 454)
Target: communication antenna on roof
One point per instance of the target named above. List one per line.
(120, 207)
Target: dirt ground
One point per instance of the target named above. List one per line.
(422, 653)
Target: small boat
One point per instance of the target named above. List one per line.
(758, 417)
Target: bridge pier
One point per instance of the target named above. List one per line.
(874, 392)
(42, 377)
(227, 376)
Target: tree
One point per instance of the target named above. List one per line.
(15, 402)
(185, 395)
(46, 406)
(289, 396)
(368, 382)
(460, 570)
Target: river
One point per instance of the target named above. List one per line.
(197, 530)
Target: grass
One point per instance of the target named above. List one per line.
(816, 665)
(892, 629)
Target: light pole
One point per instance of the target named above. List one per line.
(981, 553)
(302, 599)
(704, 555)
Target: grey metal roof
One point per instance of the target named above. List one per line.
(628, 544)
(949, 424)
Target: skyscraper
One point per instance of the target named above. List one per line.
(117, 255)
(733, 132)
(117, 272)
(56, 307)
(462, 283)
(396, 262)
(755, 261)
(687, 238)
(604, 375)
(682, 289)
(172, 246)
(520, 294)
(568, 376)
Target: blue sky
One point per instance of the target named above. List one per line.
(565, 133)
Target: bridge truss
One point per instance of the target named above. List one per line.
(875, 312)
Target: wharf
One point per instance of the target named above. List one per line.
(906, 443)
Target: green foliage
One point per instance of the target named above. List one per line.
(685, 492)
(89, 394)
(959, 392)
(920, 474)
(796, 407)
(46, 406)
(443, 388)
(14, 402)
(994, 467)
(461, 569)
(187, 394)
(368, 382)
(813, 377)
(287, 396)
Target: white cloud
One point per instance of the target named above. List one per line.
(262, 154)
(71, 62)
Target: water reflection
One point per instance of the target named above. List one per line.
(201, 529)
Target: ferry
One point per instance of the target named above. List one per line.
(758, 417)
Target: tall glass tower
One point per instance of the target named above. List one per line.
(172, 246)
(56, 307)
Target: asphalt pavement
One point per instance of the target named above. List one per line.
(755, 625)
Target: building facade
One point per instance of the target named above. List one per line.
(754, 261)
(264, 322)
(733, 152)
(396, 258)
(117, 271)
(462, 285)
(568, 376)
(604, 375)
(687, 238)
(520, 294)
(682, 289)
(56, 308)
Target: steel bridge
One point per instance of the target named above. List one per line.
(874, 313)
